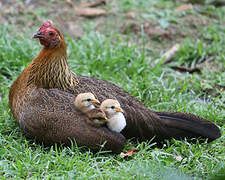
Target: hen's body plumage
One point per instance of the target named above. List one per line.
(42, 101)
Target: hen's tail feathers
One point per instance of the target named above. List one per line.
(182, 125)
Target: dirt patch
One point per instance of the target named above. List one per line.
(195, 20)
(29, 13)
(154, 31)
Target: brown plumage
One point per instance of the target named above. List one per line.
(42, 101)
(97, 118)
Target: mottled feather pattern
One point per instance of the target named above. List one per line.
(45, 123)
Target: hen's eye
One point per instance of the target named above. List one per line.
(88, 100)
(112, 107)
(51, 33)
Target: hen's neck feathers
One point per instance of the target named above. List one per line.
(50, 69)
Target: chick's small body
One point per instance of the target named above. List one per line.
(114, 113)
(117, 122)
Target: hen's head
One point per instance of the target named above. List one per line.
(85, 102)
(111, 107)
(49, 36)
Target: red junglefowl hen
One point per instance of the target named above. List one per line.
(42, 101)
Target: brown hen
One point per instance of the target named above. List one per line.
(42, 101)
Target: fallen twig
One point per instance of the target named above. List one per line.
(184, 69)
(90, 12)
(169, 54)
(209, 59)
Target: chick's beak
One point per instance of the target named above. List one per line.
(107, 120)
(95, 101)
(118, 109)
(38, 34)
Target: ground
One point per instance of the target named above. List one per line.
(128, 40)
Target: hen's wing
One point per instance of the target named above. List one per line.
(51, 117)
(143, 123)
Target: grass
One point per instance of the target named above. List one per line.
(137, 69)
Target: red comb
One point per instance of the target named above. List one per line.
(45, 25)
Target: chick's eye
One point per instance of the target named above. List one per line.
(51, 33)
(88, 100)
(112, 107)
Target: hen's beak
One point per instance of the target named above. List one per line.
(38, 34)
(118, 109)
(95, 101)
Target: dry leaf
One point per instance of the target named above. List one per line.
(156, 31)
(70, 3)
(178, 158)
(150, 29)
(131, 15)
(169, 54)
(90, 12)
(92, 4)
(128, 153)
(184, 8)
